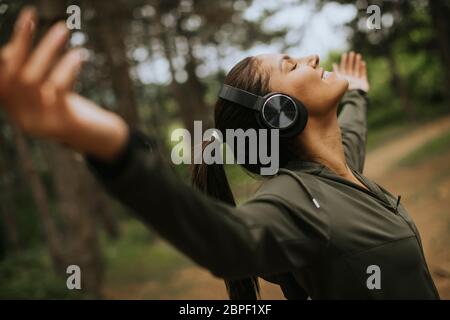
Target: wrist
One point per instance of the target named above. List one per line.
(359, 90)
(110, 170)
(111, 140)
(94, 131)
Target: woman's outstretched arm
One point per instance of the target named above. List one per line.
(36, 92)
(262, 237)
(353, 116)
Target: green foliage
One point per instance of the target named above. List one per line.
(433, 148)
(376, 138)
(411, 43)
(28, 275)
(136, 257)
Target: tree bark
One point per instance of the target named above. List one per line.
(71, 181)
(440, 14)
(190, 96)
(401, 88)
(39, 194)
(109, 39)
(7, 207)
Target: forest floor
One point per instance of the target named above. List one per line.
(415, 164)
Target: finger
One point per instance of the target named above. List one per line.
(66, 71)
(335, 68)
(46, 53)
(343, 62)
(20, 44)
(357, 65)
(350, 63)
(363, 69)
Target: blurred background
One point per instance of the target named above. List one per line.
(159, 64)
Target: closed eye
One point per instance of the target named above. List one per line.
(294, 67)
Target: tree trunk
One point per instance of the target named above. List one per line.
(440, 13)
(401, 88)
(71, 181)
(101, 205)
(190, 96)
(39, 194)
(7, 208)
(8, 218)
(109, 36)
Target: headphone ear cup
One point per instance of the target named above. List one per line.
(296, 128)
(300, 122)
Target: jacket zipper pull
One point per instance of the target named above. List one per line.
(398, 202)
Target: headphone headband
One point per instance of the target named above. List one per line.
(241, 97)
(274, 111)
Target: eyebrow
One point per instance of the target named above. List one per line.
(280, 65)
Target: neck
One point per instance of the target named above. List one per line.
(322, 142)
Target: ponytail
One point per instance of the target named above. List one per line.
(212, 180)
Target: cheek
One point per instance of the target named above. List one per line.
(319, 96)
(338, 89)
(310, 90)
(304, 85)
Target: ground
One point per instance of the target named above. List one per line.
(425, 189)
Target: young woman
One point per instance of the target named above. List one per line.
(321, 230)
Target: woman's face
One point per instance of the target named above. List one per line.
(303, 79)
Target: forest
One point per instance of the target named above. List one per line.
(159, 65)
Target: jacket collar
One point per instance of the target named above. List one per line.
(321, 170)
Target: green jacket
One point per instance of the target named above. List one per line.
(324, 249)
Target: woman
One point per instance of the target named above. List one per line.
(353, 241)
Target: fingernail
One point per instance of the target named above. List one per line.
(60, 29)
(32, 25)
(26, 17)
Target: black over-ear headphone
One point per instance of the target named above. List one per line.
(275, 110)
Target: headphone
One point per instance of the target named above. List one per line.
(275, 110)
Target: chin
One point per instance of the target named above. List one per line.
(339, 89)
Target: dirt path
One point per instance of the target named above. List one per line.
(381, 160)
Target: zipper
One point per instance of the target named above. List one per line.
(368, 191)
(395, 211)
(384, 202)
(422, 254)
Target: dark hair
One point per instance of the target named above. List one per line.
(246, 75)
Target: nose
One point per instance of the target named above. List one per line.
(314, 60)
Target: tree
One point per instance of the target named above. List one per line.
(440, 11)
(70, 176)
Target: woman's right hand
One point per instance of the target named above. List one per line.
(354, 69)
(36, 92)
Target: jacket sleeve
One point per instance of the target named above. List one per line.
(257, 238)
(353, 123)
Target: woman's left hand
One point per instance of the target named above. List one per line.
(354, 69)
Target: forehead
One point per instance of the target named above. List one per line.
(270, 60)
